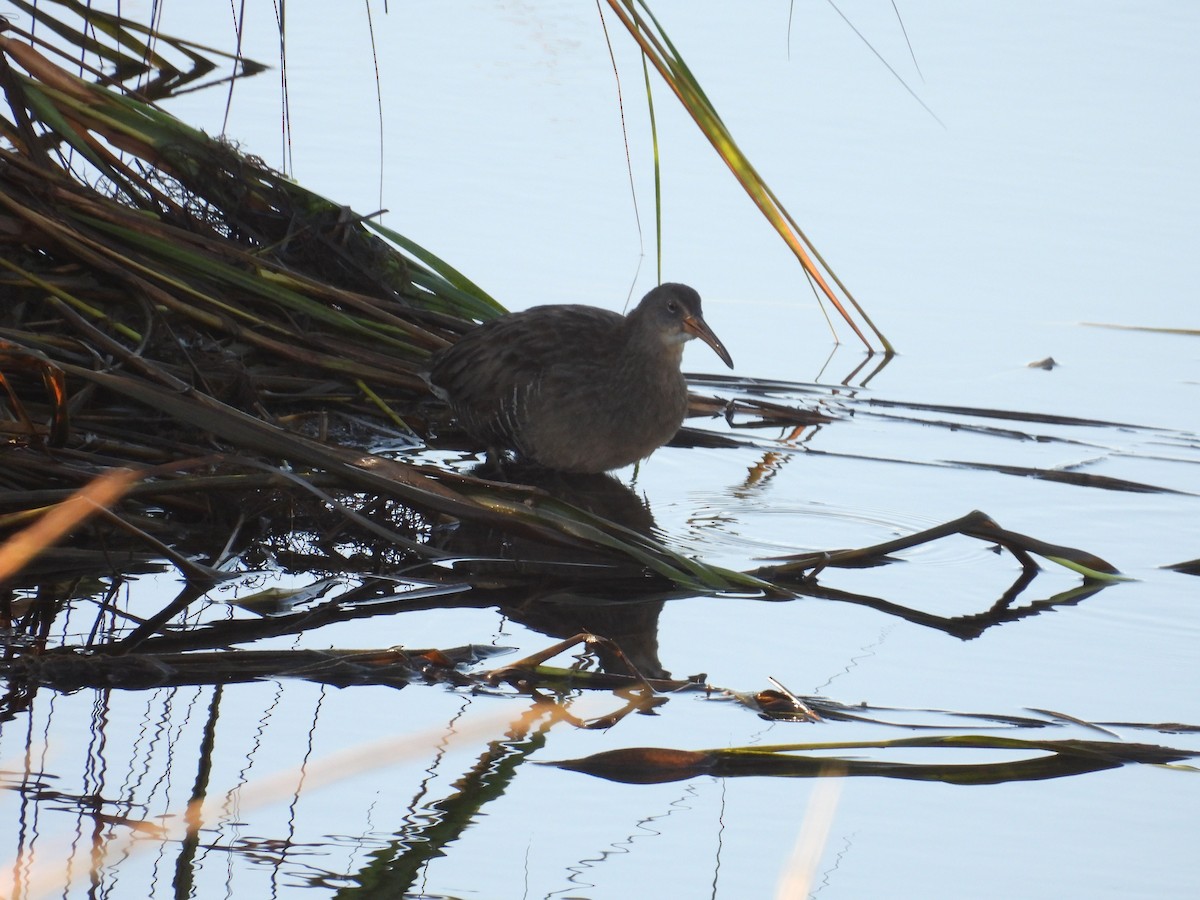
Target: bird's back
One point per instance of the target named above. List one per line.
(510, 369)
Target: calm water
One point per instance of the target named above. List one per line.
(1062, 189)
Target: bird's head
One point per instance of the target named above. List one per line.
(673, 313)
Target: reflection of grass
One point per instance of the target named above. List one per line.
(1053, 759)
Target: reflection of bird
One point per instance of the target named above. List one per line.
(563, 590)
(576, 388)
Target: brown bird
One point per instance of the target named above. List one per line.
(572, 387)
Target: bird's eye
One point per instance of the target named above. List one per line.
(672, 306)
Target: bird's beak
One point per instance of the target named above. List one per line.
(697, 327)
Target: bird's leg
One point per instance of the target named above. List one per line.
(495, 462)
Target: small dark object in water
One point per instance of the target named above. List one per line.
(576, 388)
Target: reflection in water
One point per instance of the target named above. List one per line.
(550, 595)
